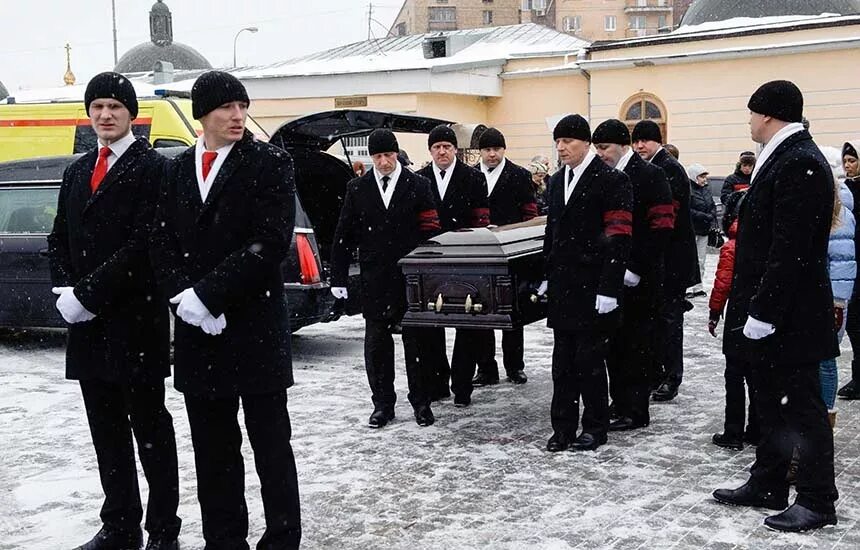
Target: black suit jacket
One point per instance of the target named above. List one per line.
(382, 236)
(513, 197)
(230, 249)
(99, 246)
(465, 203)
(780, 274)
(587, 245)
(653, 220)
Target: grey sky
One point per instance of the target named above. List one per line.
(34, 32)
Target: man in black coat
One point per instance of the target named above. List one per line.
(780, 313)
(631, 358)
(118, 341)
(587, 245)
(512, 200)
(385, 214)
(223, 226)
(460, 193)
(682, 265)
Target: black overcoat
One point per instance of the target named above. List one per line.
(465, 203)
(780, 272)
(587, 245)
(99, 246)
(513, 197)
(382, 237)
(229, 249)
(653, 221)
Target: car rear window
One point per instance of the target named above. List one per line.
(25, 210)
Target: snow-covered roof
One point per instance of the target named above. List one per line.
(74, 93)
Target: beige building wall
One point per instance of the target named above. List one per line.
(592, 17)
(414, 16)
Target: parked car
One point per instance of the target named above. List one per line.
(28, 202)
(715, 184)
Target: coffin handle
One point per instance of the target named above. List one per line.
(468, 303)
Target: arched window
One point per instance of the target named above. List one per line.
(644, 107)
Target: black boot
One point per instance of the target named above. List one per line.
(517, 377)
(111, 539)
(849, 391)
(798, 518)
(162, 543)
(728, 441)
(748, 495)
(485, 379)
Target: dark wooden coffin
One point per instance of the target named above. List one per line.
(477, 278)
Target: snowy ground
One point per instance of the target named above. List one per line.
(479, 478)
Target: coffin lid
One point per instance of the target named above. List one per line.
(499, 243)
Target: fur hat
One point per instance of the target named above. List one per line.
(213, 89)
(113, 86)
(611, 131)
(574, 127)
(382, 140)
(441, 133)
(647, 130)
(779, 99)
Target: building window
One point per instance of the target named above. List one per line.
(638, 22)
(644, 107)
(442, 15)
(661, 22)
(487, 17)
(400, 29)
(609, 23)
(572, 23)
(529, 5)
(487, 1)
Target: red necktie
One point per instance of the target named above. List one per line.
(208, 161)
(101, 168)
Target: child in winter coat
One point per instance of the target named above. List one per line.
(737, 369)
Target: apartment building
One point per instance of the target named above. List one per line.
(422, 16)
(594, 20)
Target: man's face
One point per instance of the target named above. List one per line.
(571, 151)
(610, 153)
(492, 156)
(746, 169)
(443, 153)
(225, 124)
(702, 179)
(384, 163)
(757, 127)
(646, 148)
(851, 166)
(110, 119)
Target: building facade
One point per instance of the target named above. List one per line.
(423, 16)
(602, 19)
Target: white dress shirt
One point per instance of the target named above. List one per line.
(576, 173)
(625, 158)
(442, 183)
(199, 149)
(492, 177)
(389, 192)
(117, 148)
(774, 142)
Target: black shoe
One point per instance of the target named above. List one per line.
(666, 392)
(380, 418)
(160, 543)
(748, 495)
(728, 442)
(587, 442)
(558, 443)
(424, 416)
(111, 539)
(485, 379)
(625, 423)
(461, 402)
(849, 391)
(517, 377)
(797, 519)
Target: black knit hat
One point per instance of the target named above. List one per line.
(779, 99)
(213, 89)
(647, 130)
(611, 131)
(382, 141)
(572, 126)
(849, 150)
(114, 86)
(441, 133)
(491, 138)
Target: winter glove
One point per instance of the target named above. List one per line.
(838, 316)
(713, 321)
(541, 290)
(605, 304)
(72, 310)
(756, 330)
(191, 309)
(339, 292)
(631, 279)
(213, 326)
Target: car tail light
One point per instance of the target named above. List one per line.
(310, 271)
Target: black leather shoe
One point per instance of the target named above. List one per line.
(849, 391)
(558, 443)
(160, 543)
(111, 539)
(666, 392)
(517, 377)
(625, 423)
(748, 495)
(424, 416)
(380, 418)
(485, 379)
(728, 442)
(587, 442)
(797, 519)
(461, 402)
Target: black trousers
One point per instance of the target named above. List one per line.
(852, 328)
(792, 416)
(220, 468)
(432, 346)
(579, 370)
(468, 346)
(379, 364)
(512, 352)
(738, 371)
(670, 355)
(115, 412)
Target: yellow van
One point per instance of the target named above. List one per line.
(53, 128)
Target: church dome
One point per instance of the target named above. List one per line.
(161, 47)
(706, 11)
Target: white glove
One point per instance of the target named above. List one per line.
(213, 326)
(631, 279)
(339, 292)
(541, 290)
(756, 330)
(191, 309)
(605, 304)
(72, 310)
